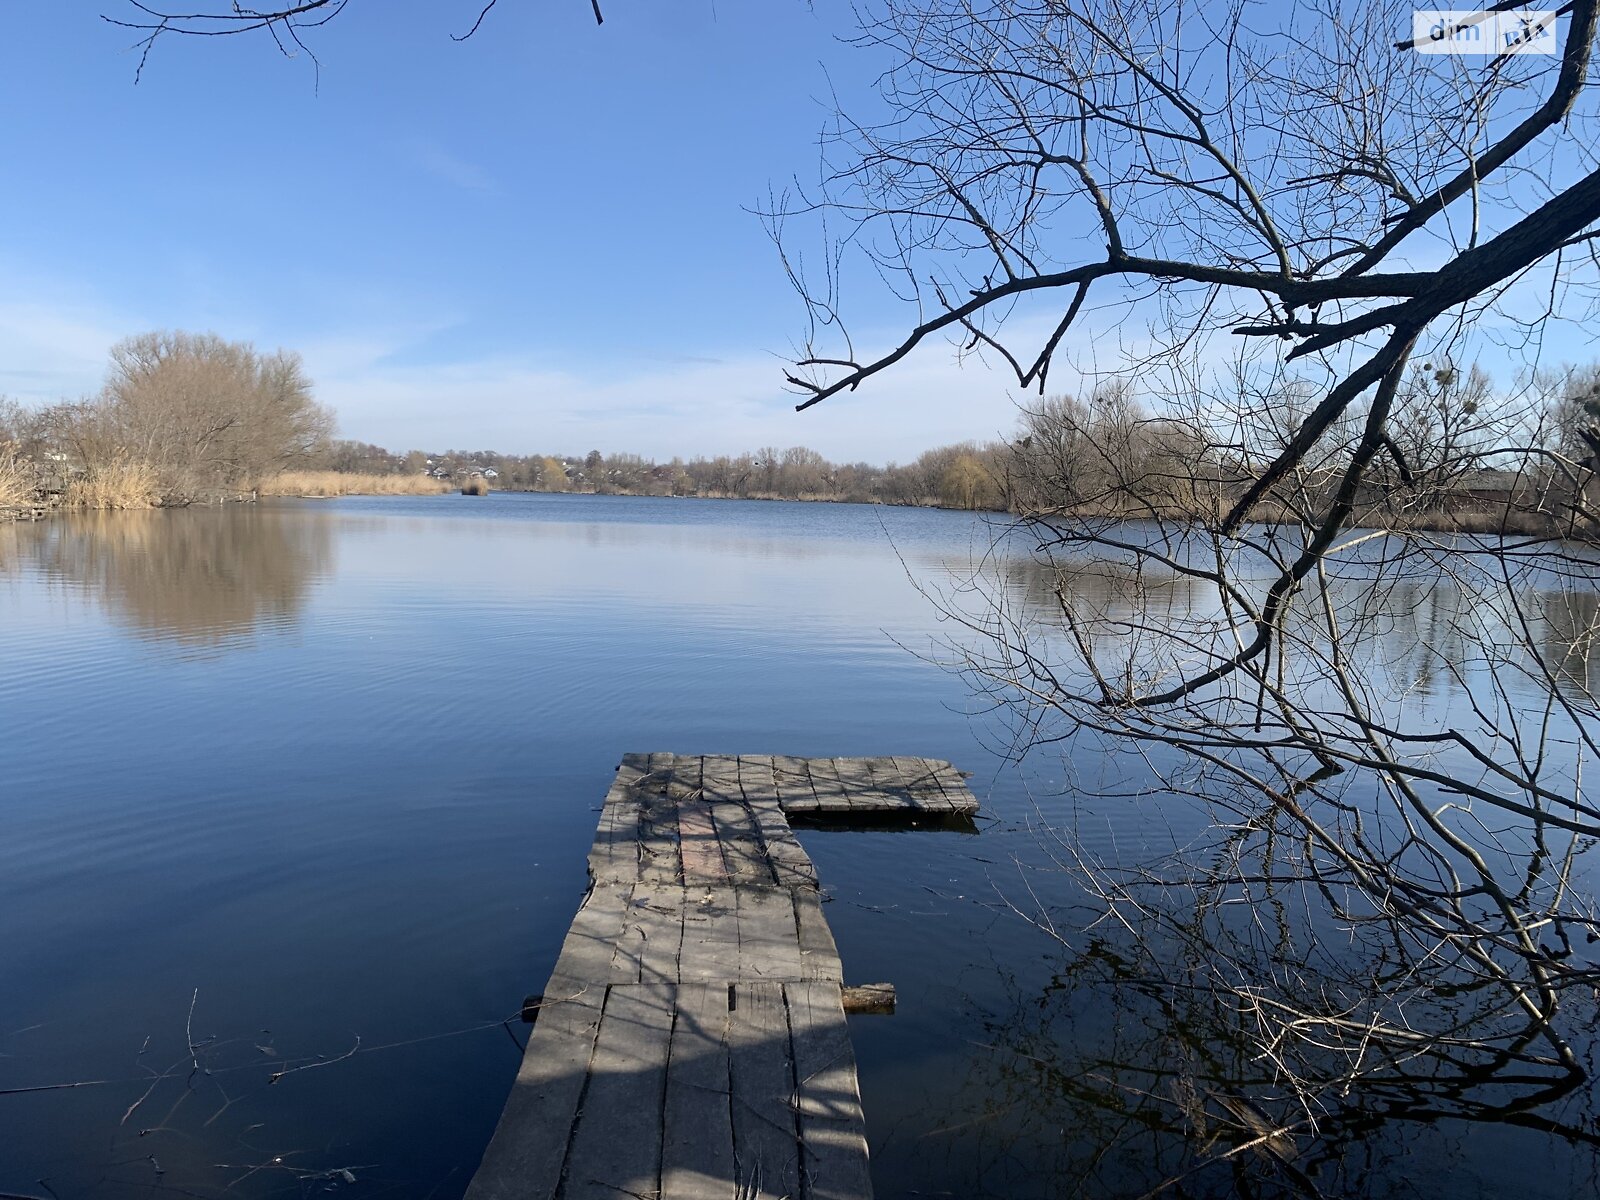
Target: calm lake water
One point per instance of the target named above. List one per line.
(307, 787)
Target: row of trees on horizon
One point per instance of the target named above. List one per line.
(1112, 453)
(192, 416)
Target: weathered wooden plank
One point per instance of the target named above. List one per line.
(616, 1146)
(937, 784)
(856, 781)
(615, 852)
(832, 795)
(769, 942)
(790, 865)
(589, 953)
(950, 785)
(892, 790)
(525, 1157)
(819, 955)
(710, 934)
(875, 998)
(756, 780)
(699, 845)
(833, 1136)
(741, 842)
(697, 1154)
(654, 932)
(793, 782)
(954, 785)
(766, 1138)
(723, 767)
(918, 779)
(683, 784)
(660, 859)
(658, 773)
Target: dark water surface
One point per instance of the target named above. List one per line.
(305, 790)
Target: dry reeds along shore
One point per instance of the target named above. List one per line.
(16, 482)
(344, 483)
(114, 485)
(475, 487)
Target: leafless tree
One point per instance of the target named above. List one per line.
(200, 414)
(1294, 210)
(286, 24)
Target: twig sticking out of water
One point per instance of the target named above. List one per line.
(327, 1062)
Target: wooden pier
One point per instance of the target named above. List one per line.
(691, 1042)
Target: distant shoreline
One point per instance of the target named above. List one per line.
(331, 485)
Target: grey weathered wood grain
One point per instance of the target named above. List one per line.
(525, 1158)
(756, 780)
(698, 844)
(890, 784)
(692, 1043)
(697, 1149)
(615, 853)
(769, 943)
(589, 953)
(954, 785)
(721, 770)
(833, 1140)
(766, 1134)
(860, 789)
(710, 934)
(656, 916)
(793, 782)
(790, 865)
(741, 841)
(616, 1144)
(684, 781)
(937, 774)
(659, 857)
(819, 955)
(832, 795)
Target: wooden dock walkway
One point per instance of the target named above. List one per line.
(691, 1043)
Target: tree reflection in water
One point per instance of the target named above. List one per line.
(1277, 984)
(200, 577)
(1132, 1075)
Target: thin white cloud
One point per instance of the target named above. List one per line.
(433, 158)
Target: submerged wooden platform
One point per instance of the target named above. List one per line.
(691, 1043)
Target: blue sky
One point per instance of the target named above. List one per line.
(535, 239)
